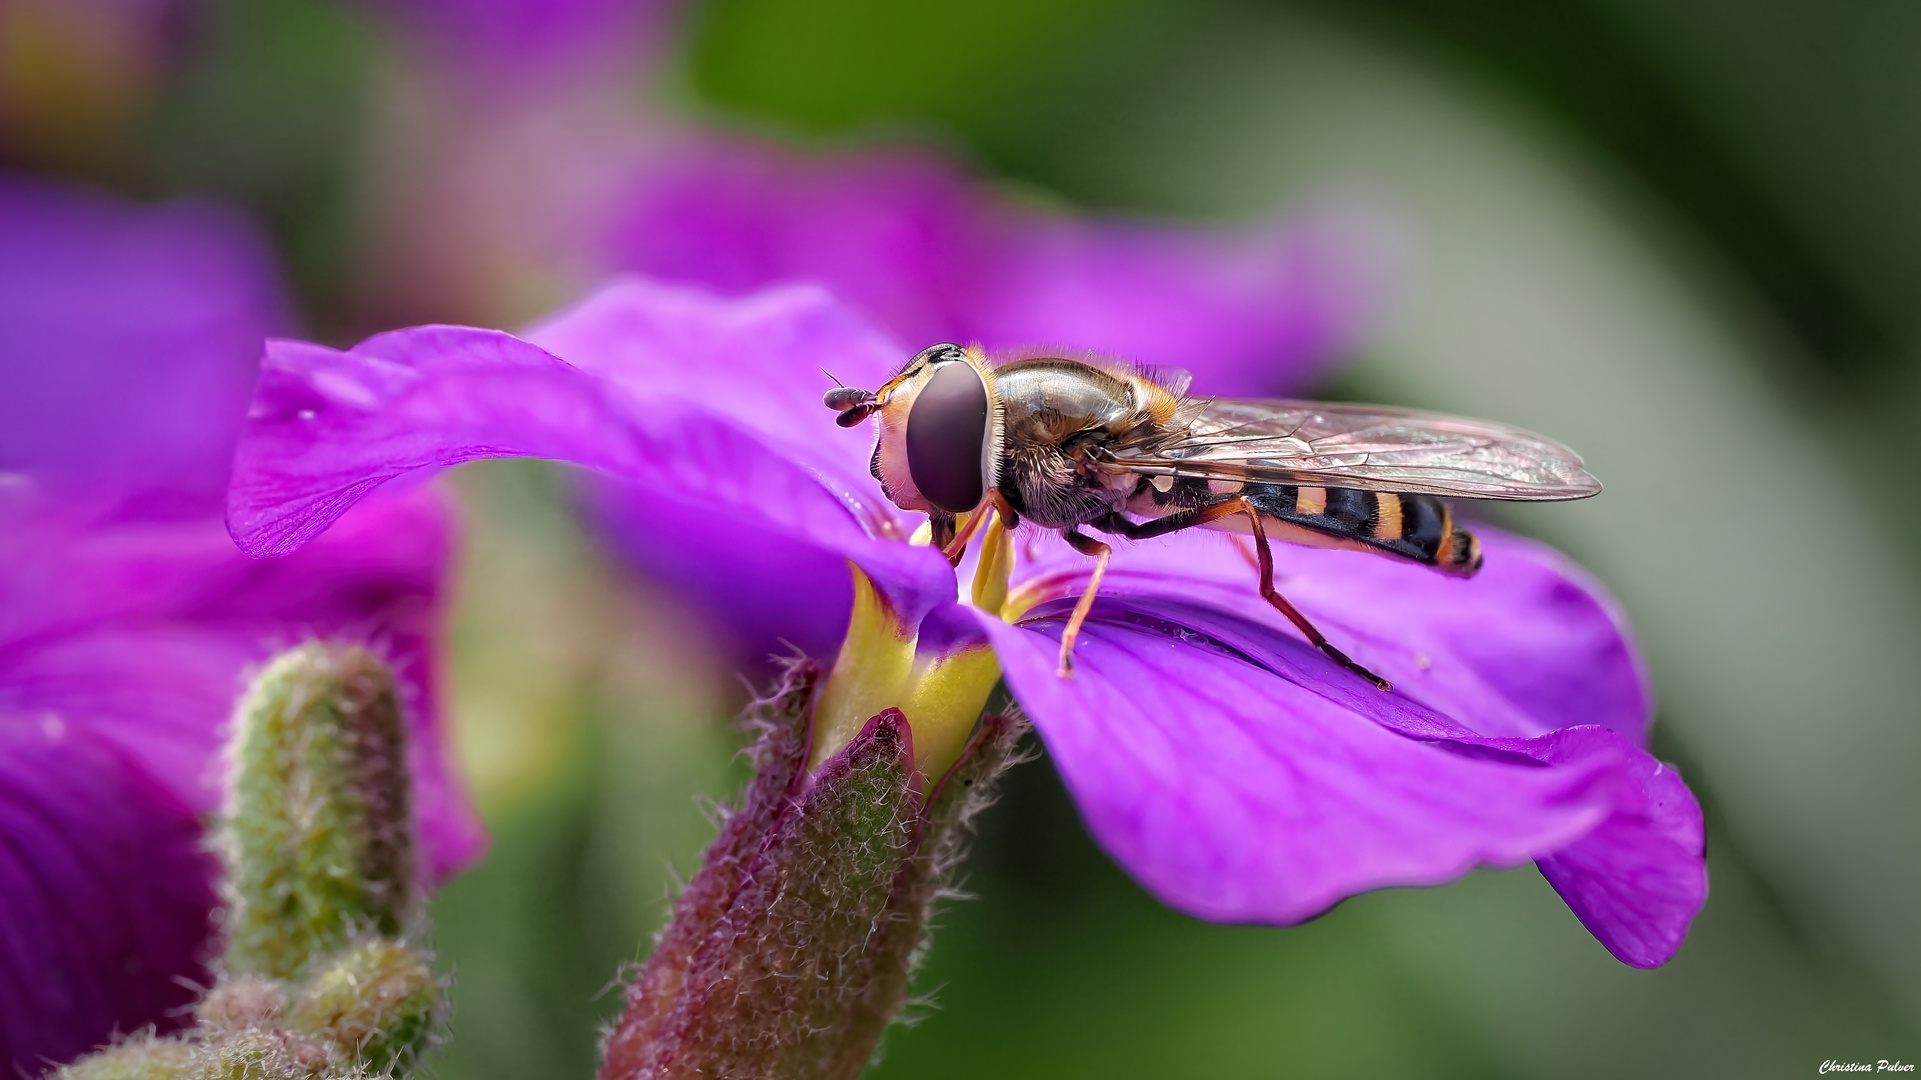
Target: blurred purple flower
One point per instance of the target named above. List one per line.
(931, 256)
(1233, 769)
(128, 622)
(131, 339)
(563, 179)
(519, 35)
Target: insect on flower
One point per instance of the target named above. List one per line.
(1065, 443)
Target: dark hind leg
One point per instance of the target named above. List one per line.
(1201, 515)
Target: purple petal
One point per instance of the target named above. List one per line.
(1188, 733)
(934, 257)
(132, 334)
(642, 335)
(757, 360)
(327, 426)
(143, 634)
(1529, 645)
(1637, 881)
(759, 596)
(1235, 795)
(105, 895)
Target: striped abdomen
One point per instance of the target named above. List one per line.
(1415, 527)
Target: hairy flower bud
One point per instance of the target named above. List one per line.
(241, 1003)
(264, 1054)
(317, 835)
(378, 1003)
(318, 855)
(791, 950)
(137, 1059)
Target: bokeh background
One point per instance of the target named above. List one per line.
(1683, 236)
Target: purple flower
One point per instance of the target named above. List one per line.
(127, 619)
(1229, 766)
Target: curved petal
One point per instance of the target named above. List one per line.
(1531, 644)
(761, 597)
(936, 257)
(132, 334)
(105, 895)
(760, 360)
(144, 633)
(327, 427)
(1400, 793)
(1234, 794)
(1637, 881)
(665, 341)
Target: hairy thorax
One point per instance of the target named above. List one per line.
(1059, 416)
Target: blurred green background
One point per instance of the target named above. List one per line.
(1682, 236)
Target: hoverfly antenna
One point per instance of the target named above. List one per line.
(851, 416)
(832, 376)
(842, 398)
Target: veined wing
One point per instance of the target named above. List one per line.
(1326, 444)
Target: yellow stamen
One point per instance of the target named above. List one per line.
(991, 572)
(870, 674)
(944, 699)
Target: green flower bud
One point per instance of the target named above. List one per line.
(317, 837)
(265, 1055)
(379, 1004)
(147, 1058)
(257, 1053)
(319, 881)
(241, 1003)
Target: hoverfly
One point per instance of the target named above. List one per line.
(1070, 443)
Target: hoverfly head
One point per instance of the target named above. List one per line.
(940, 430)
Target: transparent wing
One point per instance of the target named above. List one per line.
(1325, 444)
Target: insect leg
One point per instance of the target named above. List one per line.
(1086, 545)
(952, 535)
(1201, 515)
(963, 534)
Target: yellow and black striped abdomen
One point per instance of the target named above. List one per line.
(1417, 527)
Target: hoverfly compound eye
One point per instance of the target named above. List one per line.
(947, 432)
